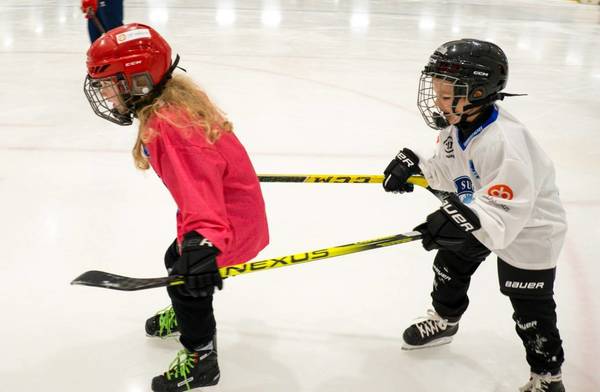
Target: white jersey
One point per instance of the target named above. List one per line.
(502, 174)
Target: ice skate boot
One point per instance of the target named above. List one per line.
(163, 324)
(432, 330)
(544, 383)
(189, 370)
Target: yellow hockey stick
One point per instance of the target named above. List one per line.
(346, 179)
(336, 178)
(118, 282)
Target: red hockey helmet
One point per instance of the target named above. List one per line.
(126, 66)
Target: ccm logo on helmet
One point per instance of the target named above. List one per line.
(457, 217)
(133, 63)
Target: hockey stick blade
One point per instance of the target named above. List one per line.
(118, 282)
(124, 283)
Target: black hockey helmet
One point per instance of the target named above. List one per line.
(477, 69)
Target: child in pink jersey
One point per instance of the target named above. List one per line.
(188, 142)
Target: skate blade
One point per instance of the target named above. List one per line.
(437, 342)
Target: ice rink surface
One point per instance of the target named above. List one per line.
(311, 86)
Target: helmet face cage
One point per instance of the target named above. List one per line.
(112, 99)
(427, 98)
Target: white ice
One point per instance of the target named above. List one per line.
(311, 87)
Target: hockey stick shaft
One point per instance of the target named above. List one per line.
(92, 15)
(326, 253)
(335, 178)
(117, 282)
(346, 179)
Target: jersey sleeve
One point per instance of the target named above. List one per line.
(437, 172)
(505, 200)
(194, 177)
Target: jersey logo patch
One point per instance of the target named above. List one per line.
(464, 189)
(449, 147)
(501, 191)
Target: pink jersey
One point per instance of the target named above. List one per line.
(215, 187)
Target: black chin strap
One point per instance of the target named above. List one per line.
(157, 90)
(123, 119)
(441, 121)
(480, 108)
(466, 127)
(491, 98)
(484, 104)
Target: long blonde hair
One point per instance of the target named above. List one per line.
(196, 109)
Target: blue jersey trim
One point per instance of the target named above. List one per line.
(491, 119)
(473, 170)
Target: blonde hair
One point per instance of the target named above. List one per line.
(193, 108)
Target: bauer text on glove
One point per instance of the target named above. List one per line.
(404, 165)
(449, 227)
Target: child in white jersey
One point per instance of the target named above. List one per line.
(503, 199)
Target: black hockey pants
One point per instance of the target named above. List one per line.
(530, 293)
(195, 317)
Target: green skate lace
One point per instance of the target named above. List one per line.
(181, 366)
(166, 321)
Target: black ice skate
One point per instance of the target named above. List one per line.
(544, 383)
(163, 324)
(189, 370)
(432, 331)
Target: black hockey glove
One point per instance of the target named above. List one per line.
(449, 227)
(404, 165)
(198, 266)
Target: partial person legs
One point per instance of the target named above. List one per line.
(110, 15)
(196, 365)
(453, 271)
(531, 295)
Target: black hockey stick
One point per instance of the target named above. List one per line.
(118, 282)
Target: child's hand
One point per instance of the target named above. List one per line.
(448, 227)
(87, 5)
(404, 165)
(198, 266)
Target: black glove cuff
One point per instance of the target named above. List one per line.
(204, 280)
(194, 241)
(460, 215)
